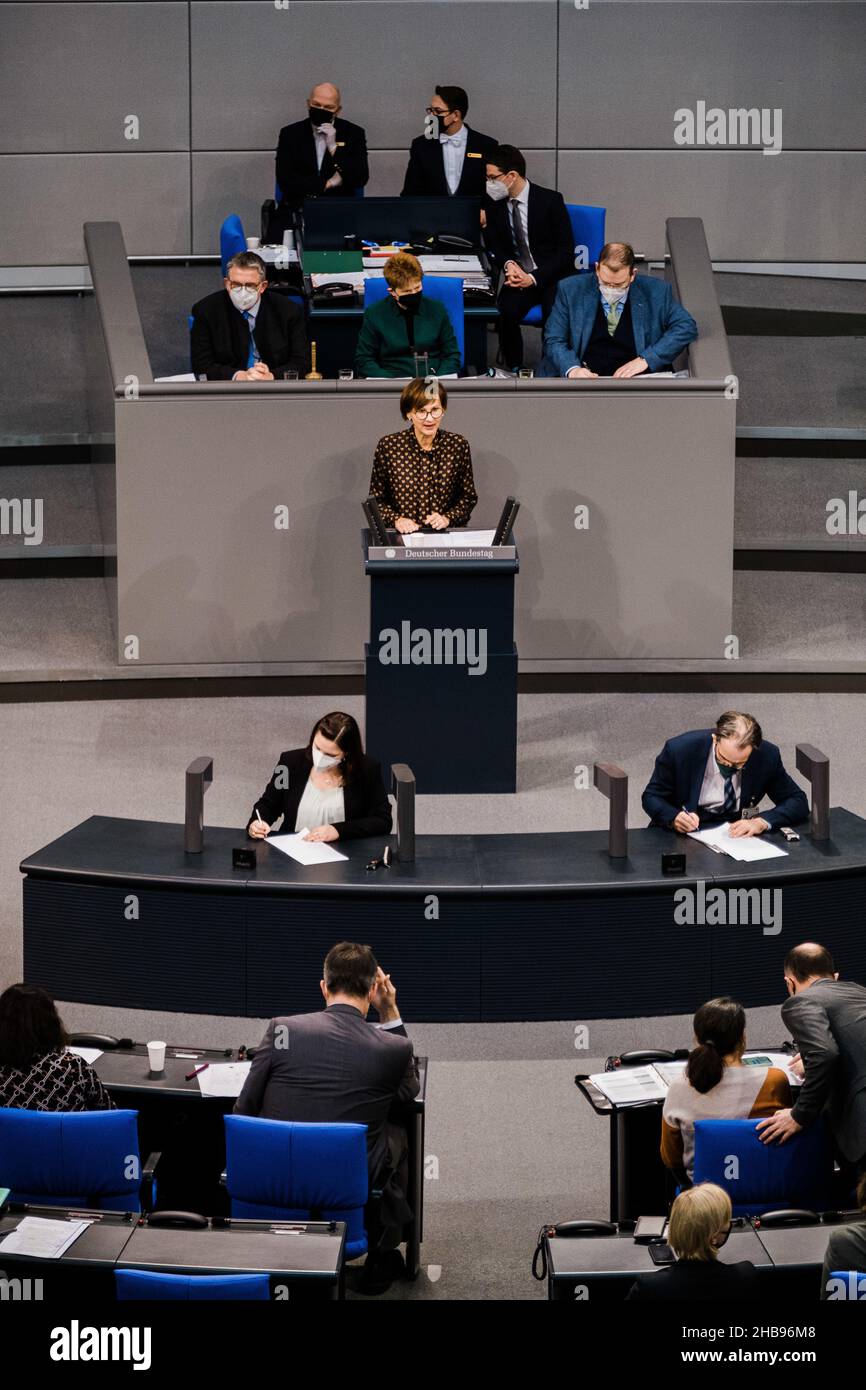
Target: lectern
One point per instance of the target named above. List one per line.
(441, 664)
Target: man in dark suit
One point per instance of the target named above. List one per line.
(243, 334)
(322, 156)
(714, 775)
(528, 236)
(333, 1066)
(614, 323)
(450, 158)
(826, 1017)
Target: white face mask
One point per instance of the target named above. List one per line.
(496, 190)
(244, 296)
(323, 760)
(613, 296)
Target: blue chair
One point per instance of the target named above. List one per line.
(143, 1285)
(283, 1170)
(232, 239)
(88, 1158)
(443, 287)
(587, 231)
(798, 1173)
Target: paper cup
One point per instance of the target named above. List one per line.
(253, 243)
(156, 1055)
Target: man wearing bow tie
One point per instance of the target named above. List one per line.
(450, 158)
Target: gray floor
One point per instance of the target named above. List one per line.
(510, 1142)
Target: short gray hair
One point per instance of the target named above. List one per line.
(744, 729)
(247, 260)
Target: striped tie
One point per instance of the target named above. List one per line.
(253, 355)
(730, 797)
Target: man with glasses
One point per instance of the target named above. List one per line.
(614, 322)
(709, 776)
(450, 158)
(240, 333)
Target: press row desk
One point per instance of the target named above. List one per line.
(608, 1265)
(126, 1074)
(304, 1255)
(594, 937)
(335, 329)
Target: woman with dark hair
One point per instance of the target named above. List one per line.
(329, 788)
(422, 476)
(717, 1084)
(36, 1071)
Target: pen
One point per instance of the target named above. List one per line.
(260, 817)
(191, 1074)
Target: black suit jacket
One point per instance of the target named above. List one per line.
(698, 1281)
(332, 1067)
(220, 338)
(550, 237)
(425, 172)
(679, 773)
(368, 810)
(298, 174)
(828, 1024)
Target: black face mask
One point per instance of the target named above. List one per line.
(410, 302)
(320, 117)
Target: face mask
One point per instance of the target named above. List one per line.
(496, 190)
(320, 117)
(323, 760)
(726, 769)
(244, 297)
(613, 296)
(410, 302)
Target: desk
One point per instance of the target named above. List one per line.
(597, 937)
(168, 1102)
(606, 1266)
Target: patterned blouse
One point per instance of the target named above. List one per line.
(410, 481)
(57, 1080)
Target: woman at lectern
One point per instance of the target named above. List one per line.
(329, 788)
(422, 476)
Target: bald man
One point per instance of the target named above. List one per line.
(322, 156)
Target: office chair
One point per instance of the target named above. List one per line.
(88, 1158)
(284, 1170)
(798, 1173)
(146, 1286)
(232, 239)
(447, 289)
(587, 231)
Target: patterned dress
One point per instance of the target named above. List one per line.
(57, 1080)
(410, 481)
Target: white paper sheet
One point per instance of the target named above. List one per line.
(450, 265)
(305, 851)
(42, 1237)
(277, 255)
(89, 1054)
(183, 376)
(748, 848)
(630, 1085)
(223, 1078)
(422, 540)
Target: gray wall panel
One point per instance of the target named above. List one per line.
(46, 199)
(805, 58)
(792, 207)
(386, 57)
(93, 66)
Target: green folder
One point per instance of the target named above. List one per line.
(332, 262)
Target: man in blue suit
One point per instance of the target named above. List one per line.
(713, 775)
(614, 322)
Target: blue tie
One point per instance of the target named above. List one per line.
(730, 797)
(253, 356)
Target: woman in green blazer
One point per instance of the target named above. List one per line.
(404, 323)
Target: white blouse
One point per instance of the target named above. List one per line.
(318, 807)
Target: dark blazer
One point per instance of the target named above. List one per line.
(425, 172)
(846, 1250)
(698, 1281)
(298, 174)
(679, 773)
(332, 1067)
(383, 342)
(828, 1024)
(368, 810)
(662, 327)
(550, 236)
(220, 338)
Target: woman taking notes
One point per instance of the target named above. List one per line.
(422, 476)
(329, 787)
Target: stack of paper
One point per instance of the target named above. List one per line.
(224, 1078)
(42, 1237)
(305, 851)
(422, 540)
(748, 848)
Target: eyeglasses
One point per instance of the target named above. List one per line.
(434, 413)
(244, 285)
(437, 111)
